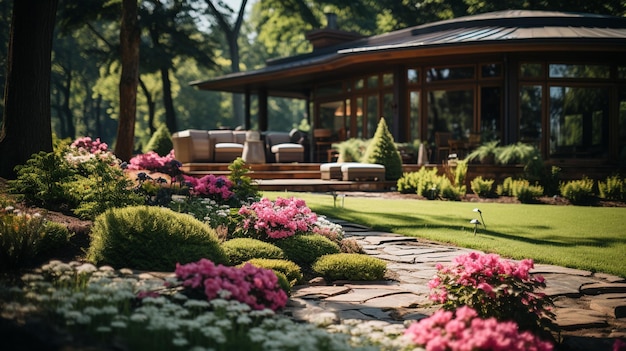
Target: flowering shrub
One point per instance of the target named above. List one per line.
(277, 219)
(328, 229)
(254, 286)
(151, 161)
(89, 145)
(464, 330)
(218, 188)
(495, 287)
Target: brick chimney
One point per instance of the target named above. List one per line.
(331, 35)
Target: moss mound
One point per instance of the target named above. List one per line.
(240, 250)
(289, 269)
(350, 266)
(304, 249)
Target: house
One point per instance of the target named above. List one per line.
(553, 79)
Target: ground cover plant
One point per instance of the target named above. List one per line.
(588, 238)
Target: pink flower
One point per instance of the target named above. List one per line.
(464, 330)
(257, 287)
(277, 219)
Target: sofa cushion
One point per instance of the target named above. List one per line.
(192, 145)
(221, 136)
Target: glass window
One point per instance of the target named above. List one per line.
(359, 84)
(412, 76)
(450, 111)
(372, 82)
(387, 79)
(359, 117)
(388, 109)
(372, 115)
(414, 101)
(492, 70)
(622, 127)
(490, 113)
(449, 73)
(579, 71)
(578, 121)
(530, 130)
(531, 70)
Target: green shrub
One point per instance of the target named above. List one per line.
(160, 142)
(525, 192)
(521, 189)
(482, 187)
(283, 282)
(351, 150)
(240, 250)
(450, 191)
(612, 188)
(291, 270)
(350, 245)
(24, 237)
(425, 182)
(246, 191)
(518, 153)
(151, 238)
(344, 266)
(382, 150)
(578, 192)
(304, 249)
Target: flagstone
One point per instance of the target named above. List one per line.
(565, 284)
(376, 313)
(613, 305)
(603, 288)
(577, 318)
(610, 278)
(546, 268)
(319, 291)
(378, 239)
(397, 301)
(361, 295)
(395, 258)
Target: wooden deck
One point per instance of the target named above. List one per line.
(307, 176)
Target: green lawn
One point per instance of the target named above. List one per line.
(591, 238)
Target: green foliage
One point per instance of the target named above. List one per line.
(612, 188)
(484, 153)
(382, 150)
(482, 187)
(351, 150)
(520, 188)
(578, 192)
(241, 250)
(350, 245)
(24, 237)
(154, 238)
(420, 182)
(518, 153)
(160, 142)
(291, 270)
(460, 171)
(283, 282)
(450, 191)
(105, 187)
(45, 181)
(304, 249)
(350, 266)
(243, 187)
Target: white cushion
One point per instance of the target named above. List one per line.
(287, 147)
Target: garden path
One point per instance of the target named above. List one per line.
(590, 307)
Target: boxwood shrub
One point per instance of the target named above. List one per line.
(240, 250)
(151, 238)
(345, 266)
(288, 268)
(304, 249)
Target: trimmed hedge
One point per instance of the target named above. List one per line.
(289, 269)
(240, 250)
(304, 249)
(345, 266)
(151, 238)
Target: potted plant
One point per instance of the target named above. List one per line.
(485, 153)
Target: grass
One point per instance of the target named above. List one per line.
(589, 238)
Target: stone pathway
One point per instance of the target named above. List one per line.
(590, 308)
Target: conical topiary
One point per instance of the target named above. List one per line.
(382, 150)
(160, 142)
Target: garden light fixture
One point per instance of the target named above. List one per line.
(475, 222)
(481, 216)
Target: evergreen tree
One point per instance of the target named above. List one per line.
(160, 142)
(382, 150)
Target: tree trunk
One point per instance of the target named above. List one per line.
(129, 51)
(151, 106)
(170, 114)
(26, 125)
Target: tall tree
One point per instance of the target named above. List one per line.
(231, 31)
(129, 53)
(26, 123)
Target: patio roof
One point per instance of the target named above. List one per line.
(503, 31)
